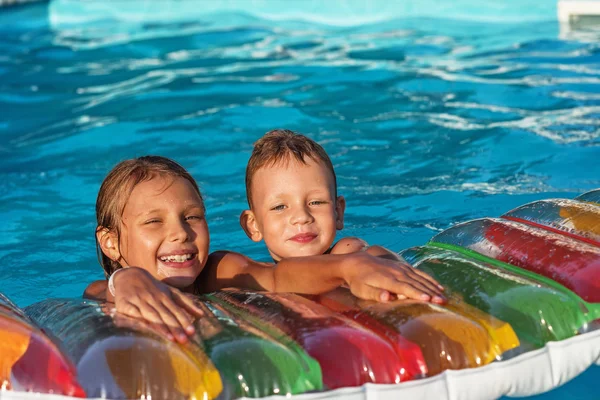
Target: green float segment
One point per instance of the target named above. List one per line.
(554, 300)
(253, 364)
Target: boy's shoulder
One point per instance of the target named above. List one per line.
(349, 245)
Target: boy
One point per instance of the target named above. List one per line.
(291, 190)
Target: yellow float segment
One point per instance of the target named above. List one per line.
(502, 334)
(143, 367)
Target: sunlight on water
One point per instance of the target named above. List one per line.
(428, 121)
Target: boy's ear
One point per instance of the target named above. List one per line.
(109, 243)
(250, 226)
(340, 207)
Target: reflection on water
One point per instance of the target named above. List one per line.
(428, 121)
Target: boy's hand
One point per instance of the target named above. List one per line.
(376, 278)
(139, 295)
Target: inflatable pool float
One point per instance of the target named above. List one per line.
(522, 318)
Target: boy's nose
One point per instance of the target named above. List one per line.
(301, 216)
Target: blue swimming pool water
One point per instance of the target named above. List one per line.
(429, 121)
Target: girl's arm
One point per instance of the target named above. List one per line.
(138, 294)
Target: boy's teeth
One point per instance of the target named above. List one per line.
(177, 258)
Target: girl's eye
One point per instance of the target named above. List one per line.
(280, 207)
(194, 217)
(152, 221)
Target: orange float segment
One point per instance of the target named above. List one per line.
(582, 220)
(29, 361)
(14, 340)
(585, 221)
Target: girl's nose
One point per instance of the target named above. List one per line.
(179, 231)
(301, 215)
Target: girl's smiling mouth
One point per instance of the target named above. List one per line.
(184, 259)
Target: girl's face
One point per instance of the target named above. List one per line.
(164, 231)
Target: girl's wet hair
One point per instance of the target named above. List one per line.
(117, 187)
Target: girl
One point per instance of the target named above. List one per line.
(153, 242)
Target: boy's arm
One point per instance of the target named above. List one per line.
(369, 277)
(380, 251)
(353, 244)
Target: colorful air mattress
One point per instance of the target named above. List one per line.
(522, 318)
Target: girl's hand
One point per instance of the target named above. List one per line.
(139, 295)
(376, 278)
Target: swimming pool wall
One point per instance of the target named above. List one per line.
(336, 12)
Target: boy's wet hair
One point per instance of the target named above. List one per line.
(282, 145)
(117, 187)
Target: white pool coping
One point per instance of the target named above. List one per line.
(569, 9)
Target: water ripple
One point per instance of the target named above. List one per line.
(428, 121)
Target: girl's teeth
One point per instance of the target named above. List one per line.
(177, 258)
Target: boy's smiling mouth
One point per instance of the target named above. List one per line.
(303, 237)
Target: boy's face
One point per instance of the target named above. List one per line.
(294, 209)
(164, 231)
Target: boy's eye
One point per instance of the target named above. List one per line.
(279, 207)
(194, 217)
(317, 202)
(151, 221)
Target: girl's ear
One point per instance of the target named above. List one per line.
(109, 243)
(340, 207)
(250, 226)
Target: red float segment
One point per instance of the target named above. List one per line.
(572, 263)
(410, 353)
